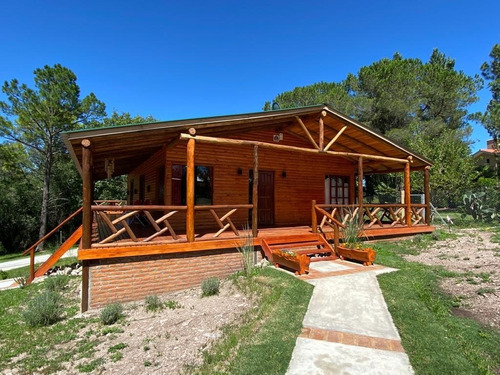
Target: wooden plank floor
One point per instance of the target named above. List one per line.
(206, 241)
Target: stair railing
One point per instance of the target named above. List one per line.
(32, 248)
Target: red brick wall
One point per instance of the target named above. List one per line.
(132, 279)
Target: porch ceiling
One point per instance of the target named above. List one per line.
(131, 145)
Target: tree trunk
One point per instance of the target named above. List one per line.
(45, 197)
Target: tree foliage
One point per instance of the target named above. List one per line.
(35, 117)
(491, 72)
(421, 105)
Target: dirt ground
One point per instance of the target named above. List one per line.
(477, 259)
(170, 341)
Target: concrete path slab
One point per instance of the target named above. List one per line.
(328, 266)
(350, 303)
(347, 328)
(322, 357)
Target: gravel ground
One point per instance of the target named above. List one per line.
(477, 259)
(170, 341)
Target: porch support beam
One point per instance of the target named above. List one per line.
(321, 130)
(334, 139)
(190, 181)
(255, 191)
(87, 194)
(427, 196)
(360, 189)
(308, 134)
(241, 142)
(407, 192)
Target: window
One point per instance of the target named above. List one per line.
(488, 161)
(336, 190)
(202, 185)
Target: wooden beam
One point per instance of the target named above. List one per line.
(360, 189)
(255, 191)
(200, 138)
(314, 218)
(85, 285)
(190, 197)
(321, 133)
(407, 194)
(427, 196)
(335, 138)
(87, 194)
(308, 134)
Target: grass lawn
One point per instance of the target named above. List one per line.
(436, 341)
(264, 341)
(27, 347)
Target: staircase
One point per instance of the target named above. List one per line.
(313, 245)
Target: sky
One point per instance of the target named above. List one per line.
(177, 60)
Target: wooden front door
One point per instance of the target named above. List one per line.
(265, 206)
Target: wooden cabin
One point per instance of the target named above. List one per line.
(197, 187)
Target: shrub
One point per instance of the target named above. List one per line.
(172, 305)
(111, 313)
(56, 283)
(246, 251)
(210, 286)
(3, 275)
(153, 303)
(43, 310)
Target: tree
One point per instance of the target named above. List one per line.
(491, 72)
(35, 118)
(423, 106)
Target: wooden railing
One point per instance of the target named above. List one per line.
(119, 219)
(372, 215)
(32, 248)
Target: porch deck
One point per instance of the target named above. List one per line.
(206, 241)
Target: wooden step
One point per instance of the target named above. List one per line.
(296, 244)
(315, 242)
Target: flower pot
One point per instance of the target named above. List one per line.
(298, 262)
(366, 255)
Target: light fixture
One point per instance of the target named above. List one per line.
(283, 174)
(240, 171)
(109, 166)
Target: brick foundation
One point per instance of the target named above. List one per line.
(132, 279)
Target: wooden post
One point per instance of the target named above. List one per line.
(336, 237)
(85, 286)
(427, 196)
(32, 263)
(255, 192)
(360, 190)
(407, 194)
(87, 194)
(314, 221)
(190, 198)
(321, 131)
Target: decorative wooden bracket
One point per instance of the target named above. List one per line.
(220, 222)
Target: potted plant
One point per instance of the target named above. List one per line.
(289, 259)
(352, 246)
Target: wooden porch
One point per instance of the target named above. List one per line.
(125, 231)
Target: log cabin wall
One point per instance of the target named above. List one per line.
(304, 181)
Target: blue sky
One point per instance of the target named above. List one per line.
(201, 58)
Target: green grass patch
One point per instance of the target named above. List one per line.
(437, 341)
(263, 342)
(24, 347)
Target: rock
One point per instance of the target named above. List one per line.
(67, 271)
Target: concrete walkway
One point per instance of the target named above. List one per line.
(347, 328)
(23, 262)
